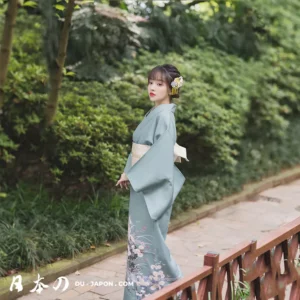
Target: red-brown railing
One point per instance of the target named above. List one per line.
(269, 267)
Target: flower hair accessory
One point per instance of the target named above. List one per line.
(176, 84)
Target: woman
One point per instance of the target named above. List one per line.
(155, 182)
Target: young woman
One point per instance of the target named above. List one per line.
(154, 183)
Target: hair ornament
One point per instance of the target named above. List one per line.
(176, 84)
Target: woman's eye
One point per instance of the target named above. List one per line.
(160, 84)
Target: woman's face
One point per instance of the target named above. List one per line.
(158, 90)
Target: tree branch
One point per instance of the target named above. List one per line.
(196, 2)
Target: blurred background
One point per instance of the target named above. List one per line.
(64, 140)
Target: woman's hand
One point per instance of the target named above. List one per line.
(123, 181)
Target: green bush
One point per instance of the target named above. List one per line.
(256, 161)
(223, 100)
(168, 30)
(236, 27)
(276, 98)
(238, 119)
(90, 140)
(36, 229)
(213, 104)
(100, 37)
(24, 91)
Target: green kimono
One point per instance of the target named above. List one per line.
(155, 182)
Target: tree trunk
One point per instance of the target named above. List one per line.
(114, 3)
(56, 74)
(6, 44)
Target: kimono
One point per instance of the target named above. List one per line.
(155, 182)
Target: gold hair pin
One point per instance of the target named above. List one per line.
(176, 84)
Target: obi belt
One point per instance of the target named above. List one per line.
(138, 150)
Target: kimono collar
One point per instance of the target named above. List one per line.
(162, 107)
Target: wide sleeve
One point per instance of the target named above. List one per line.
(152, 174)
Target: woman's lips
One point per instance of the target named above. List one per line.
(152, 94)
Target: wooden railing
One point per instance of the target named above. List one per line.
(264, 269)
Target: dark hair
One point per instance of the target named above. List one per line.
(166, 73)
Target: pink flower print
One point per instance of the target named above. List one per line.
(156, 286)
(141, 281)
(157, 278)
(138, 252)
(155, 267)
(158, 275)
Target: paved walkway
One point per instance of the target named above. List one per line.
(219, 232)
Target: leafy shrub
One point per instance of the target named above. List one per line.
(36, 229)
(213, 103)
(238, 119)
(100, 37)
(24, 90)
(276, 98)
(164, 32)
(256, 161)
(90, 140)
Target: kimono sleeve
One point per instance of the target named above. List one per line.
(152, 174)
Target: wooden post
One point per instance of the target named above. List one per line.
(211, 259)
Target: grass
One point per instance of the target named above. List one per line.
(240, 290)
(36, 230)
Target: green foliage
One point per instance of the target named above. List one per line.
(256, 161)
(100, 36)
(236, 27)
(36, 229)
(52, 28)
(276, 97)
(247, 27)
(282, 23)
(240, 290)
(87, 146)
(6, 147)
(24, 89)
(28, 3)
(252, 29)
(239, 119)
(41, 229)
(213, 104)
(225, 99)
(169, 33)
(89, 137)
